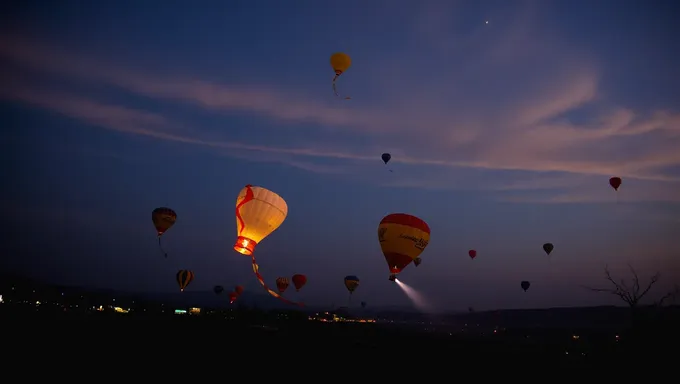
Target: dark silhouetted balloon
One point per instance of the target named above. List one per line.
(548, 247)
(525, 285)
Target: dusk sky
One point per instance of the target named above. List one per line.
(503, 137)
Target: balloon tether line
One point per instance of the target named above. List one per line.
(335, 89)
(256, 270)
(161, 247)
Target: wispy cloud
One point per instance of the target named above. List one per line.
(534, 110)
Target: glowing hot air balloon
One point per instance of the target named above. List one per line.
(340, 62)
(184, 278)
(163, 219)
(238, 289)
(259, 212)
(232, 297)
(299, 281)
(472, 253)
(282, 284)
(402, 239)
(525, 285)
(548, 247)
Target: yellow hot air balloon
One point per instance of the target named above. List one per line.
(259, 212)
(402, 239)
(340, 62)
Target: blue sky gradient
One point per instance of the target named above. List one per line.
(503, 136)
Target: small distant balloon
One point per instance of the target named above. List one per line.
(472, 253)
(299, 281)
(615, 183)
(238, 289)
(282, 284)
(351, 283)
(163, 219)
(184, 277)
(386, 157)
(340, 62)
(232, 297)
(525, 285)
(548, 247)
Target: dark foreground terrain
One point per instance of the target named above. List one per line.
(99, 339)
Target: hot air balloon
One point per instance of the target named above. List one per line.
(615, 182)
(363, 304)
(402, 239)
(386, 158)
(238, 289)
(232, 297)
(351, 282)
(340, 62)
(218, 289)
(299, 281)
(548, 247)
(259, 212)
(282, 284)
(472, 253)
(525, 285)
(163, 219)
(184, 278)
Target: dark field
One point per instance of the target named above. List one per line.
(98, 338)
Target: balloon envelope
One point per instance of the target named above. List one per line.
(351, 283)
(472, 253)
(340, 62)
(615, 183)
(163, 219)
(282, 284)
(548, 247)
(259, 212)
(299, 281)
(184, 278)
(238, 289)
(402, 239)
(386, 157)
(525, 285)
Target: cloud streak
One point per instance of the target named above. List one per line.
(501, 115)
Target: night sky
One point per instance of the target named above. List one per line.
(503, 136)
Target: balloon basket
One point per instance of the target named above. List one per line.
(244, 246)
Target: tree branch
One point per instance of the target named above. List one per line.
(631, 294)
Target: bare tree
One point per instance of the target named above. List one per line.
(632, 292)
